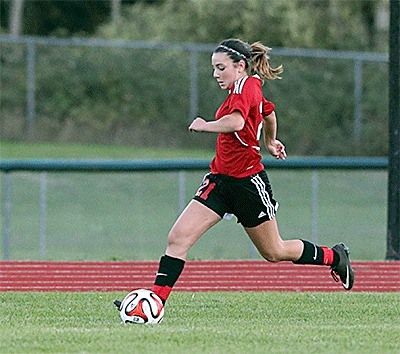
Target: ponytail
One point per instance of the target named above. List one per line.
(259, 63)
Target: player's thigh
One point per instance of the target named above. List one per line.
(193, 222)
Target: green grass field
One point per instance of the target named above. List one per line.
(203, 323)
(79, 151)
(126, 216)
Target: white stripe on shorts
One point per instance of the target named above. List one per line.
(262, 192)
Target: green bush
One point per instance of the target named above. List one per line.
(142, 96)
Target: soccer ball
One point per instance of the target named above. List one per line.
(141, 306)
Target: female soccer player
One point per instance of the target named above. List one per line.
(238, 183)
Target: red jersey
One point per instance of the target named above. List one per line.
(238, 153)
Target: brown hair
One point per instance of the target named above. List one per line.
(259, 63)
(255, 56)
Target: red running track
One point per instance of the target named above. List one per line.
(197, 276)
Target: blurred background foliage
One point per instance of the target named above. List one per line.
(141, 97)
(325, 24)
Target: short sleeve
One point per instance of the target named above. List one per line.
(268, 107)
(244, 96)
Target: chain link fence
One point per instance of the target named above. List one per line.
(146, 93)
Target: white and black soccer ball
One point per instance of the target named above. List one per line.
(141, 306)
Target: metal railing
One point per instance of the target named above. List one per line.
(42, 166)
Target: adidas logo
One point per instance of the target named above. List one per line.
(261, 215)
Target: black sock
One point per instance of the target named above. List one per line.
(319, 255)
(169, 270)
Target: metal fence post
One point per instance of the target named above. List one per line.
(357, 101)
(42, 215)
(181, 191)
(31, 87)
(194, 94)
(7, 217)
(314, 206)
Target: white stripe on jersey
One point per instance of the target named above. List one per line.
(241, 141)
(262, 192)
(239, 85)
(245, 144)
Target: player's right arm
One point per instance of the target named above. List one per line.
(227, 124)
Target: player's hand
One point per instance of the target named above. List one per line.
(198, 125)
(277, 149)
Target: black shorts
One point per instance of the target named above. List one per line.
(250, 199)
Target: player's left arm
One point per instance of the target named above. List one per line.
(275, 147)
(229, 123)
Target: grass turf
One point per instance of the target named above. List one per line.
(17, 150)
(213, 322)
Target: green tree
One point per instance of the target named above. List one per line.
(322, 24)
(61, 17)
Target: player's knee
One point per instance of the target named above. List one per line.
(272, 255)
(176, 240)
(173, 239)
